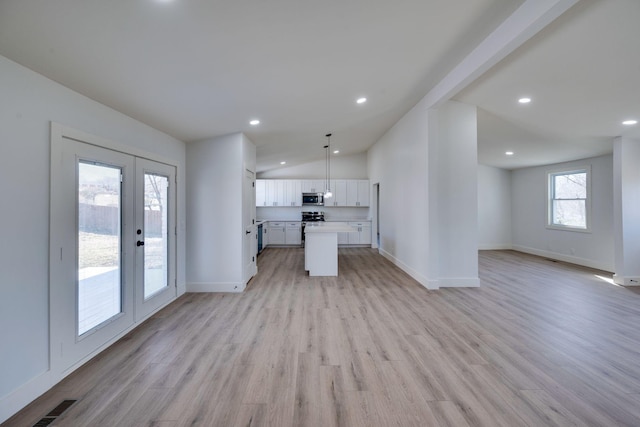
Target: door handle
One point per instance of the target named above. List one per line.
(247, 232)
(139, 243)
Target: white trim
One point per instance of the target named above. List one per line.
(19, 398)
(62, 131)
(495, 247)
(13, 402)
(234, 287)
(566, 258)
(626, 281)
(429, 284)
(550, 191)
(459, 282)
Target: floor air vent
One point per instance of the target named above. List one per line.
(54, 413)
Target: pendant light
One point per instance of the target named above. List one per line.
(327, 193)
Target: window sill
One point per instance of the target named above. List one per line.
(567, 228)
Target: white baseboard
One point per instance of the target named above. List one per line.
(563, 257)
(215, 287)
(456, 282)
(459, 282)
(494, 247)
(25, 394)
(429, 284)
(626, 281)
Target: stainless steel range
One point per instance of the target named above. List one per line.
(310, 217)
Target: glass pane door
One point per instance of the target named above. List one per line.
(155, 236)
(99, 245)
(91, 248)
(156, 228)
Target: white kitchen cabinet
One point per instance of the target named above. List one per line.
(343, 238)
(274, 192)
(313, 185)
(277, 233)
(265, 236)
(363, 236)
(261, 192)
(293, 234)
(358, 192)
(288, 192)
(292, 192)
(339, 190)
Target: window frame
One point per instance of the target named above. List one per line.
(550, 198)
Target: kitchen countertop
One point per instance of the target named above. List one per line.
(260, 221)
(326, 227)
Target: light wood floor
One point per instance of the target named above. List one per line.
(539, 343)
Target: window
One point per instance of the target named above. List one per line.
(569, 200)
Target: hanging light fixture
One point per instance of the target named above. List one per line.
(327, 193)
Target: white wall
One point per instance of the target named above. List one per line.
(529, 216)
(29, 102)
(494, 208)
(398, 162)
(342, 167)
(453, 195)
(626, 190)
(214, 216)
(426, 167)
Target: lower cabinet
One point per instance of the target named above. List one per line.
(363, 236)
(293, 234)
(284, 233)
(276, 233)
(343, 238)
(265, 236)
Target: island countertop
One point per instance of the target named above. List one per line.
(329, 227)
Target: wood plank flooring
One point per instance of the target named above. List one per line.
(540, 343)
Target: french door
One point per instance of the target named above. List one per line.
(155, 231)
(112, 246)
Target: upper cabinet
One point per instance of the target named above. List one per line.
(292, 192)
(313, 185)
(339, 190)
(288, 192)
(358, 192)
(278, 192)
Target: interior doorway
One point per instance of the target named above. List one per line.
(375, 243)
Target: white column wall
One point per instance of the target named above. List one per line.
(215, 231)
(28, 104)
(398, 162)
(453, 196)
(494, 208)
(626, 193)
(426, 166)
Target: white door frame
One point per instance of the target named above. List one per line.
(67, 350)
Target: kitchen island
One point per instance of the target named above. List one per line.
(321, 247)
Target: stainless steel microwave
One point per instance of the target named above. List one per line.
(312, 199)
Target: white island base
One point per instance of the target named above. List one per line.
(321, 247)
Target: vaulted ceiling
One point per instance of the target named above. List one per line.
(196, 69)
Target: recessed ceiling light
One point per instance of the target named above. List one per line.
(630, 122)
(283, 163)
(254, 122)
(524, 100)
(509, 153)
(361, 100)
(336, 151)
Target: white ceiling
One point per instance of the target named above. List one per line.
(196, 69)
